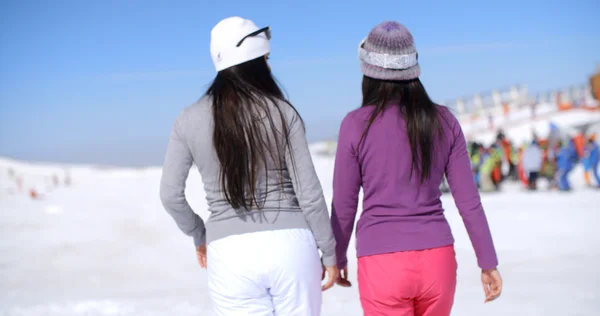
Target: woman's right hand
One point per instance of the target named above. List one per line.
(201, 256)
(492, 284)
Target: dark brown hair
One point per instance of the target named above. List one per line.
(245, 131)
(419, 112)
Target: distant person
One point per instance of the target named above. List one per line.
(532, 164)
(521, 172)
(509, 156)
(488, 173)
(579, 142)
(585, 161)
(549, 167)
(475, 154)
(591, 159)
(398, 146)
(565, 162)
(33, 194)
(496, 152)
(268, 213)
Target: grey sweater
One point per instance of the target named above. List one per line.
(297, 202)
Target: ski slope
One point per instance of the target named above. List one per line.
(105, 246)
(519, 127)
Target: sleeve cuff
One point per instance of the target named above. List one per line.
(489, 265)
(328, 260)
(342, 263)
(200, 237)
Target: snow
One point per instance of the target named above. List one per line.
(105, 246)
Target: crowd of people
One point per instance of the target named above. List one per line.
(552, 158)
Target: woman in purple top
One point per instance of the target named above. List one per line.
(398, 146)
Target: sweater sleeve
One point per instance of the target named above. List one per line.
(176, 168)
(308, 190)
(467, 199)
(346, 187)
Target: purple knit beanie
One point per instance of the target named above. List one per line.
(389, 53)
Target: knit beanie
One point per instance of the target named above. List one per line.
(389, 53)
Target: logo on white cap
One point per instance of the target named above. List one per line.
(225, 47)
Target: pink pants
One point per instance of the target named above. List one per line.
(420, 283)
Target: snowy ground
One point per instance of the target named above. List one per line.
(105, 246)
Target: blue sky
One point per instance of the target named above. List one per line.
(102, 81)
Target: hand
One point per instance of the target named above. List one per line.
(201, 255)
(333, 274)
(492, 284)
(343, 279)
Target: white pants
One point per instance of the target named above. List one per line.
(265, 273)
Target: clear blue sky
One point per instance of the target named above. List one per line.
(102, 81)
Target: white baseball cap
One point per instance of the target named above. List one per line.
(235, 40)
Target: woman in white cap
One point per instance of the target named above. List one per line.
(268, 214)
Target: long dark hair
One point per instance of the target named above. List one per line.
(419, 112)
(245, 131)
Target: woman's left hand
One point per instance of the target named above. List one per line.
(201, 255)
(343, 278)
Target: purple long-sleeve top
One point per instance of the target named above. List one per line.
(399, 213)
